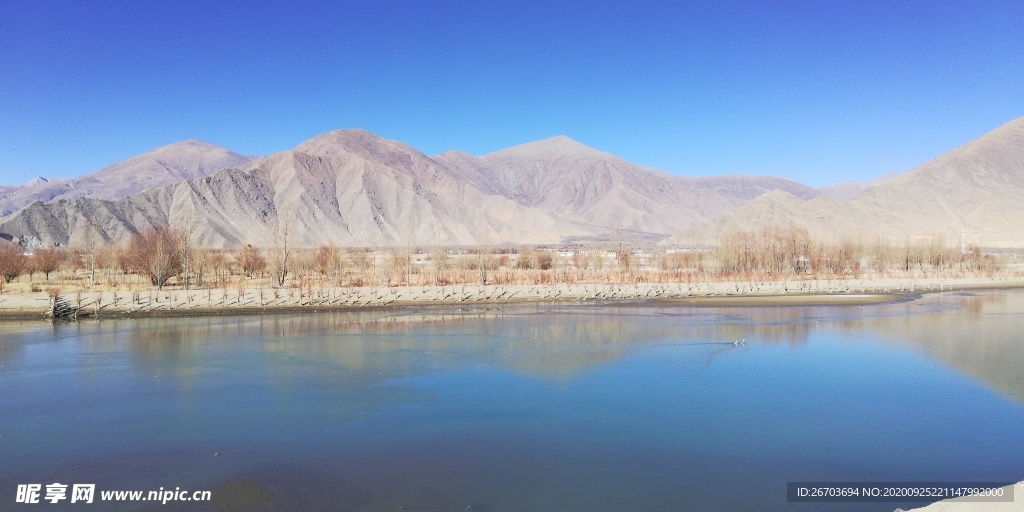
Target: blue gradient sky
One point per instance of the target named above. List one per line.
(819, 92)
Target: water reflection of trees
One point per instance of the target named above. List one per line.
(553, 343)
(975, 333)
(12, 342)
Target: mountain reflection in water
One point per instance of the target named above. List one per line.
(976, 333)
(521, 407)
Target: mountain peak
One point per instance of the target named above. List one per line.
(352, 140)
(189, 145)
(346, 135)
(558, 146)
(38, 180)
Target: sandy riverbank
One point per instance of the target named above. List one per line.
(717, 294)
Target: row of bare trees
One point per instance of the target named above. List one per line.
(159, 254)
(14, 262)
(165, 256)
(792, 251)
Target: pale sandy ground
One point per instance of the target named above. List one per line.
(959, 506)
(739, 294)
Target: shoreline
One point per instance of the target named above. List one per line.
(144, 304)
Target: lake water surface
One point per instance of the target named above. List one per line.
(530, 407)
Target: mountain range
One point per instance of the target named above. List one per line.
(353, 188)
(163, 166)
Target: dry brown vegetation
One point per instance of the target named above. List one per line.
(12, 263)
(163, 257)
(793, 252)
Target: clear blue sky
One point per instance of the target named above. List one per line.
(816, 91)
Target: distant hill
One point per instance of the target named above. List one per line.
(977, 189)
(850, 189)
(589, 187)
(39, 180)
(163, 166)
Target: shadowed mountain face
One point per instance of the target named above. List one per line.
(352, 188)
(170, 164)
(977, 188)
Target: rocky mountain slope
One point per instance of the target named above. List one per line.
(977, 188)
(163, 166)
(346, 187)
(569, 179)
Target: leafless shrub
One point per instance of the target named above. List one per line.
(250, 260)
(107, 261)
(218, 263)
(12, 262)
(545, 260)
(198, 267)
(327, 260)
(398, 268)
(157, 253)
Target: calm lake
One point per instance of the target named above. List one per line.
(530, 407)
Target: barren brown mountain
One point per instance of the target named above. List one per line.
(850, 189)
(353, 188)
(976, 190)
(346, 187)
(163, 166)
(564, 177)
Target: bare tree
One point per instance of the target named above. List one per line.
(12, 262)
(187, 255)
(882, 255)
(486, 262)
(186, 229)
(156, 252)
(545, 260)
(362, 262)
(327, 260)
(284, 224)
(526, 259)
(439, 260)
(198, 266)
(400, 264)
(91, 252)
(30, 267)
(217, 265)
(250, 260)
(107, 260)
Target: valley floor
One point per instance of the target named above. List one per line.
(709, 294)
